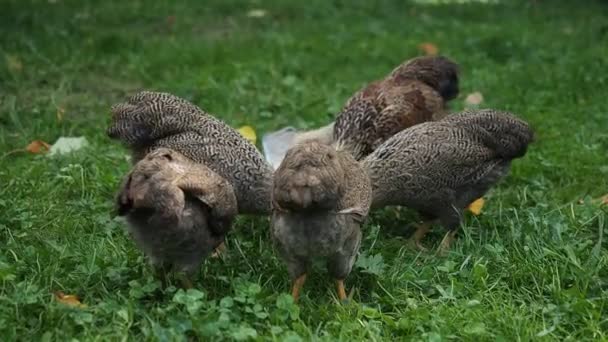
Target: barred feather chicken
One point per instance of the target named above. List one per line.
(151, 120)
(415, 92)
(178, 211)
(439, 168)
(321, 197)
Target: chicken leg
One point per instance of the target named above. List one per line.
(421, 230)
(446, 242)
(298, 283)
(340, 288)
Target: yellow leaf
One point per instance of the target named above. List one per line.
(429, 49)
(69, 300)
(476, 205)
(13, 63)
(38, 146)
(249, 133)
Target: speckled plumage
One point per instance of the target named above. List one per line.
(320, 199)
(438, 168)
(414, 92)
(150, 120)
(177, 210)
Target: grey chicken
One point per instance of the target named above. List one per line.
(150, 120)
(439, 168)
(320, 199)
(178, 211)
(416, 91)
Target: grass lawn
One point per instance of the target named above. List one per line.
(533, 265)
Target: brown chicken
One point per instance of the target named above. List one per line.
(321, 197)
(178, 211)
(416, 91)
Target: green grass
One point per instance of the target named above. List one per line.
(534, 265)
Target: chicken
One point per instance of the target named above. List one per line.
(151, 120)
(439, 168)
(320, 199)
(177, 211)
(415, 92)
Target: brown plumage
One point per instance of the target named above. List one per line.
(439, 168)
(150, 120)
(178, 211)
(416, 91)
(320, 199)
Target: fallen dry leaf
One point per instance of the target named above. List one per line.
(69, 300)
(38, 146)
(474, 99)
(13, 63)
(476, 206)
(602, 200)
(429, 49)
(249, 133)
(256, 13)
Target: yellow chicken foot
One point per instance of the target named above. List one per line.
(341, 291)
(297, 286)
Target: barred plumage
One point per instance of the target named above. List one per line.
(439, 168)
(150, 120)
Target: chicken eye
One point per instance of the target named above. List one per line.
(168, 156)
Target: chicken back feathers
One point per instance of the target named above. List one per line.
(150, 120)
(416, 91)
(178, 211)
(437, 166)
(315, 176)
